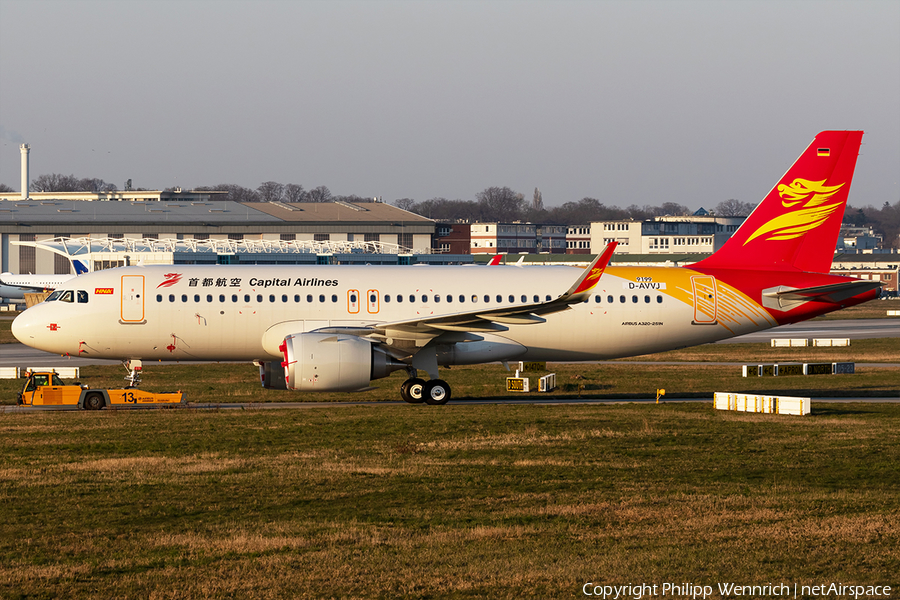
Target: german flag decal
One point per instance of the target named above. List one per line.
(823, 151)
(101, 291)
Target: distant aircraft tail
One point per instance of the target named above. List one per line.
(795, 227)
(80, 267)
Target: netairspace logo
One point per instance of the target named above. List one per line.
(733, 590)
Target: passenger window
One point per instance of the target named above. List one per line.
(596, 299)
(646, 299)
(659, 299)
(524, 298)
(184, 297)
(82, 296)
(221, 297)
(247, 298)
(634, 299)
(424, 299)
(309, 298)
(271, 297)
(209, 298)
(171, 297)
(399, 297)
(387, 297)
(537, 298)
(412, 298)
(284, 298)
(321, 297)
(373, 298)
(462, 298)
(297, 298)
(622, 299)
(609, 299)
(196, 297)
(437, 299)
(547, 298)
(499, 298)
(487, 298)
(234, 298)
(474, 298)
(259, 298)
(334, 297)
(158, 298)
(512, 298)
(449, 297)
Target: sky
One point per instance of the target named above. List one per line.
(630, 102)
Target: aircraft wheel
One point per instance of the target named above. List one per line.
(436, 392)
(411, 390)
(93, 402)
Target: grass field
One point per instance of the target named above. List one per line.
(444, 502)
(219, 383)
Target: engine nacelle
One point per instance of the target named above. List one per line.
(333, 363)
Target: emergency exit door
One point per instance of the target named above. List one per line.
(705, 301)
(132, 298)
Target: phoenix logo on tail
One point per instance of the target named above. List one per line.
(812, 195)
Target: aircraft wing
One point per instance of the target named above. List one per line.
(484, 320)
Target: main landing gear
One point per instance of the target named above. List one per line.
(433, 391)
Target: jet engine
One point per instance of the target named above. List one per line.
(333, 363)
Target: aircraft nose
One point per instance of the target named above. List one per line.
(22, 327)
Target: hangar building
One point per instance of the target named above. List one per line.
(235, 231)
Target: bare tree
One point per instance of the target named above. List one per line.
(5, 188)
(271, 191)
(294, 193)
(537, 203)
(734, 208)
(236, 193)
(406, 204)
(54, 182)
(319, 194)
(500, 204)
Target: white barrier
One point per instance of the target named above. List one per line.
(547, 382)
(779, 405)
(893, 313)
(9, 372)
(789, 343)
(831, 342)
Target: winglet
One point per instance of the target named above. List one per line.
(592, 274)
(495, 260)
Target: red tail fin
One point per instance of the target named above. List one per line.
(796, 226)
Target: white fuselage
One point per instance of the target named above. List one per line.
(244, 312)
(14, 287)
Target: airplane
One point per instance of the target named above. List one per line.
(14, 287)
(337, 328)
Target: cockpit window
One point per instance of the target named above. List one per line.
(67, 296)
(53, 296)
(82, 297)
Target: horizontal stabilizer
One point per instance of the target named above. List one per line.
(786, 298)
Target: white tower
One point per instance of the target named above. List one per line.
(25, 148)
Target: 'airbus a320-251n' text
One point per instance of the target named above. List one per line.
(336, 328)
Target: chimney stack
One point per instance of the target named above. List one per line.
(25, 148)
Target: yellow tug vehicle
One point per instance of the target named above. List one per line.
(45, 388)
